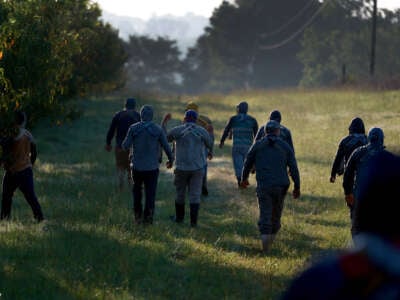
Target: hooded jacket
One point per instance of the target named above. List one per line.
(271, 156)
(191, 142)
(347, 145)
(359, 159)
(144, 140)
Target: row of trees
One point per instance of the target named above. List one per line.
(51, 52)
(262, 44)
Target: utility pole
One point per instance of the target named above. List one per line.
(373, 39)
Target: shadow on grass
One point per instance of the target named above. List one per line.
(78, 264)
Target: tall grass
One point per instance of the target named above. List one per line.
(90, 248)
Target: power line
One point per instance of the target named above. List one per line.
(296, 33)
(300, 12)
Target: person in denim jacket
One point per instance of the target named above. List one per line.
(144, 139)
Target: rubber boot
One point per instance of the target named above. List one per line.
(179, 213)
(194, 213)
(266, 241)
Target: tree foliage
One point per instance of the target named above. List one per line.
(261, 44)
(153, 64)
(52, 51)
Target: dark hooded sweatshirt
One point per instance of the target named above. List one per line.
(347, 145)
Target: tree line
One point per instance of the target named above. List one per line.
(54, 51)
(267, 44)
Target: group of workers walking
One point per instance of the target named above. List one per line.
(268, 151)
(370, 177)
(139, 141)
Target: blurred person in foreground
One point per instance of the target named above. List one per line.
(119, 127)
(353, 172)
(243, 128)
(271, 156)
(20, 153)
(371, 269)
(145, 139)
(191, 141)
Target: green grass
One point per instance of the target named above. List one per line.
(91, 249)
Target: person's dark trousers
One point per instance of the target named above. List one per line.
(148, 179)
(24, 181)
(270, 202)
(194, 213)
(204, 188)
(179, 212)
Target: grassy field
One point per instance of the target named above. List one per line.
(89, 248)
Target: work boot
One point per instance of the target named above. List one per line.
(179, 213)
(266, 241)
(138, 218)
(148, 220)
(194, 213)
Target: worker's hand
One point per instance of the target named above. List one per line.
(209, 156)
(166, 118)
(296, 193)
(221, 144)
(349, 199)
(108, 148)
(332, 179)
(244, 184)
(169, 164)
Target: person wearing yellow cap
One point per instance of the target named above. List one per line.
(206, 123)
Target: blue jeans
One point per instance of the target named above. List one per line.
(239, 154)
(270, 202)
(24, 181)
(149, 180)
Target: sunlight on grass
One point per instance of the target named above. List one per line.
(90, 247)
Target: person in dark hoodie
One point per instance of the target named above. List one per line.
(285, 133)
(243, 128)
(347, 145)
(271, 157)
(370, 269)
(144, 140)
(354, 170)
(118, 128)
(191, 141)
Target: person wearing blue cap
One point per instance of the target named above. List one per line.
(354, 171)
(243, 128)
(191, 141)
(271, 156)
(119, 127)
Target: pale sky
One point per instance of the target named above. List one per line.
(144, 9)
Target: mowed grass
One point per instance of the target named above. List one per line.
(90, 248)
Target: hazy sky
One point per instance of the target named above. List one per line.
(146, 8)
